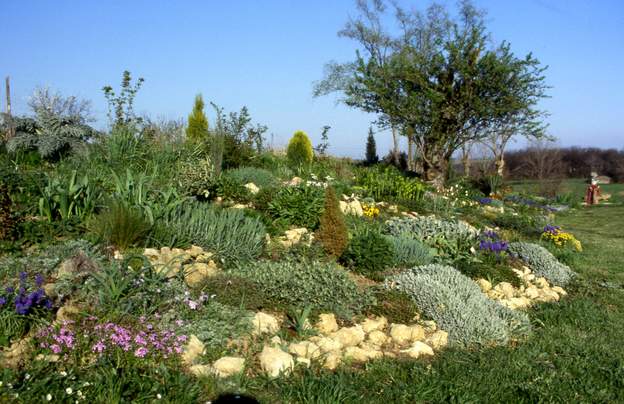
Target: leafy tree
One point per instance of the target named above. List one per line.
(299, 151)
(321, 148)
(440, 80)
(371, 148)
(332, 232)
(197, 129)
(121, 106)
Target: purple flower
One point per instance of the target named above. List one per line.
(3, 300)
(99, 347)
(140, 352)
(38, 280)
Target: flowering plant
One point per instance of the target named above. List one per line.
(370, 210)
(27, 298)
(560, 238)
(491, 242)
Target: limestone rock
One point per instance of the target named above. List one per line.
(332, 360)
(559, 290)
(418, 349)
(274, 361)
(228, 366)
(196, 273)
(17, 353)
(276, 340)
(327, 344)
(349, 336)
(418, 333)
(327, 324)
(295, 181)
(353, 207)
(541, 283)
(485, 285)
(532, 292)
(361, 355)
(305, 349)
(193, 349)
(201, 370)
(303, 361)
(293, 236)
(377, 337)
(374, 324)
(506, 289)
(67, 312)
(264, 323)
(429, 326)
(194, 251)
(437, 340)
(252, 188)
(403, 334)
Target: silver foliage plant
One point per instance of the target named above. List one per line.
(409, 252)
(427, 228)
(542, 262)
(459, 307)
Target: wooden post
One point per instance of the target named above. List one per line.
(10, 131)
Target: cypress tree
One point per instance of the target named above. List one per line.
(197, 129)
(332, 233)
(299, 151)
(371, 148)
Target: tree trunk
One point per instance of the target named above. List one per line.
(466, 161)
(10, 131)
(410, 153)
(435, 169)
(395, 147)
(500, 165)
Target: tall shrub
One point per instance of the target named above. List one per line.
(332, 232)
(371, 148)
(299, 150)
(197, 129)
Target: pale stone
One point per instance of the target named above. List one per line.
(305, 349)
(377, 337)
(303, 361)
(66, 269)
(151, 253)
(67, 312)
(50, 289)
(430, 326)
(228, 366)
(532, 292)
(295, 181)
(327, 344)
(293, 236)
(559, 290)
(196, 273)
(484, 284)
(327, 324)
(239, 206)
(274, 361)
(519, 302)
(353, 207)
(48, 358)
(438, 339)
(118, 255)
(204, 257)
(252, 188)
(541, 283)
(506, 289)
(264, 323)
(361, 355)
(418, 349)
(349, 336)
(193, 349)
(495, 294)
(401, 334)
(201, 370)
(332, 360)
(17, 354)
(276, 340)
(548, 295)
(194, 251)
(418, 333)
(374, 324)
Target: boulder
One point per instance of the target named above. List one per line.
(349, 336)
(559, 290)
(264, 323)
(403, 334)
(541, 283)
(327, 324)
(506, 289)
(361, 355)
(532, 292)
(429, 326)
(327, 344)
(374, 324)
(193, 349)
(377, 337)
(17, 354)
(252, 188)
(295, 181)
(437, 340)
(201, 370)
(228, 366)
(485, 285)
(418, 349)
(194, 251)
(274, 361)
(353, 207)
(305, 349)
(67, 312)
(196, 273)
(418, 333)
(332, 360)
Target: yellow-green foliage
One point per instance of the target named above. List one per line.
(332, 233)
(197, 129)
(299, 150)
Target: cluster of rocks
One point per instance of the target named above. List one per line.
(295, 236)
(195, 263)
(534, 290)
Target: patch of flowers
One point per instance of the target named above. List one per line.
(490, 242)
(561, 238)
(533, 204)
(370, 210)
(27, 297)
(142, 340)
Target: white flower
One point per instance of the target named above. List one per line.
(63, 373)
(158, 396)
(79, 393)
(69, 390)
(49, 397)
(27, 376)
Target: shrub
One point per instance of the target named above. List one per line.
(388, 183)
(409, 252)
(324, 286)
(298, 206)
(458, 306)
(368, 253)
(120, 225)
(229, 233)
(396, 306)
(259, 176)
(197, 177)
(232, 189)
(528, 224)
(299, 152)
(542, 262)
(371, 148)
(197, 129)
(332, 232)
(8, 216)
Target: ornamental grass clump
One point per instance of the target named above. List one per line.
(542, 262)
(332, 233)
(409, 252)
(458, 306)
(324, 286)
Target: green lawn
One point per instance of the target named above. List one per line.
(575, 186)
(576, 353)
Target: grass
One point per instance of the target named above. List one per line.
(575, 187)
(575, 353)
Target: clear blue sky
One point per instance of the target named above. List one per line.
(266, 54)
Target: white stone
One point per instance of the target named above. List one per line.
(349, 336)
(541, 283)
(559, 290)
(327, 344)
(196, 273)
(403, 334)
(377, 337)
(193, 349)
(506, 289)
(374, 324)
(252, 188)
(484, 284)
(327, 324)
(332, 360)
(274, 361)
(201, 370)
(361, 355)
(305, 349)
(228, 366)
(438, 339)
(264, 323)
(418, 349)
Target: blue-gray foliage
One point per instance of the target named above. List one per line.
(542, 262)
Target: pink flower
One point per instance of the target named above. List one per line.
(55, 348)
(140, 340)
(99, 347)
(192, 304)
(140, 352)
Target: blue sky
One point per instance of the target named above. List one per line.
(266, 55)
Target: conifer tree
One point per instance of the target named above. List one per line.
(197, 129)
(332, 233)
(371, 148)
(299, 151)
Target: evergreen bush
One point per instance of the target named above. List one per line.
(368, 252)
(332, 232)
(409, 252)
(197, 129)
(299, 151)
(371, 149)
